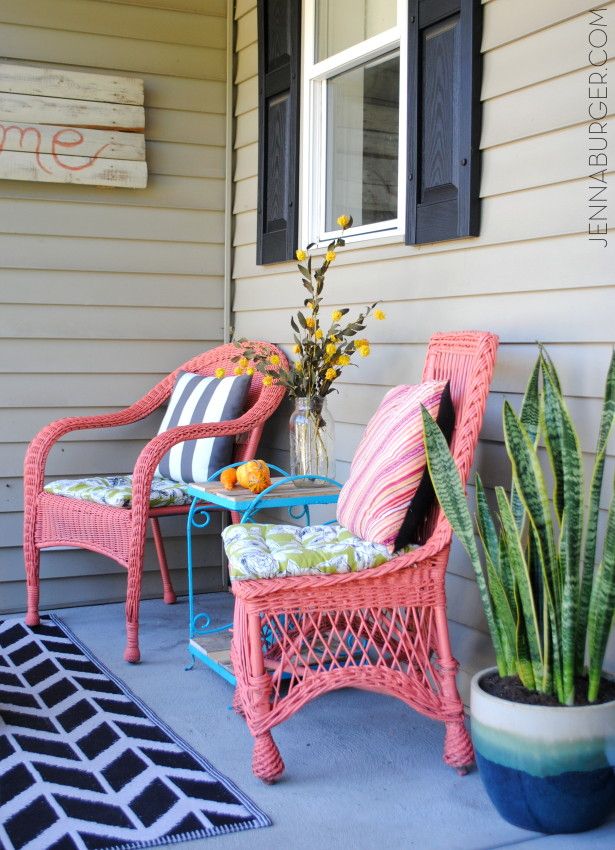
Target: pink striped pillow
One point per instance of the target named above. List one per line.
(388, 464)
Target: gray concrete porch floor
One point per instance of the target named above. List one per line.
(362, 770)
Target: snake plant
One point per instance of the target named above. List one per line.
(548, 600)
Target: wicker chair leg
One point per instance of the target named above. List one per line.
(168, 593)
(458, 750)
(32, 556)
(267, 762)
(132, 654)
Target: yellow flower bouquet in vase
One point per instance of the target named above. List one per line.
(321, 356)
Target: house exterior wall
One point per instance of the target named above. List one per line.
(531, 275)
(103, 292)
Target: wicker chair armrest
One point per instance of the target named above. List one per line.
(40, 446)
(155, 450)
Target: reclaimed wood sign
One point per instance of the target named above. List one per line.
(69, 127)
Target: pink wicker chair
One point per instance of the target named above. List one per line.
(119, 533)
(383, 629)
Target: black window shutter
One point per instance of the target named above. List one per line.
(444, 71)
(279, 24)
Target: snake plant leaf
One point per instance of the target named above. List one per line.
(549, 366)
(524, 664)
(607, 420)
(553, 437)
(506, 572)
(535, 567)
(451, 496)
(530, 417)
(602, 607)
(514, 550)
(530, 484)
(486, 526)
(551, 653)
(560, 431)
(495, 555)
(505, 619)
(567, 621)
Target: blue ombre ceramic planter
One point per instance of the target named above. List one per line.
(547, 769)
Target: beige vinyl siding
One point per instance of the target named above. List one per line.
(103, 292)
(532, 274)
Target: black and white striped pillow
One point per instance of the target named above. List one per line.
(197, 399)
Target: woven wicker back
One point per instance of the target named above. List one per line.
(466, 359)
(206, 364)
(221, 357)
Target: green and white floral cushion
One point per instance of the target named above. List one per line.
(258, 550)
(116, 491)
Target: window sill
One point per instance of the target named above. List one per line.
(369, 241)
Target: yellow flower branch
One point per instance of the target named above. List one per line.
(321, 354)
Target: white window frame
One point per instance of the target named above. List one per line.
(314, 130)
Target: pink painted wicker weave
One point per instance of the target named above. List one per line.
(119, 533)
(383, 629)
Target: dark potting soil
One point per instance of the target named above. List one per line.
(511, 689)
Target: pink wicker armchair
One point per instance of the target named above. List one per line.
(119, 533)
(383, 629)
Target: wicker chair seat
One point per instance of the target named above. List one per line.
(265, 551)
(115, 491)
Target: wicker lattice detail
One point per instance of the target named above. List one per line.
(391, 645)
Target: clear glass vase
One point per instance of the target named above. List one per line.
(312, 441)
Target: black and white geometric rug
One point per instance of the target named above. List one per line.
(85, 765)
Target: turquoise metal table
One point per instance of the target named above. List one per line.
(208, 644)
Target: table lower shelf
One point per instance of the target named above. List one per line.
(214, 650)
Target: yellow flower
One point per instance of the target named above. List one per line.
(333, 338)
(330, 348)
(319, 334)
(336, 315)
(238, 370)
(298, 365)
(249, 371)
(267, 381)
(364, 350)
(378, 314)
(275, 359)
(310, 322)
(300, 255)
(296, 349)
(311, 305)
(343, 360)
(330, 256)
(243, 362)
(344, 221)
(219, 373)
(359, 343)
(330, 374)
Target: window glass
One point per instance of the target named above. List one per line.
(363, 143)
(342, 23)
